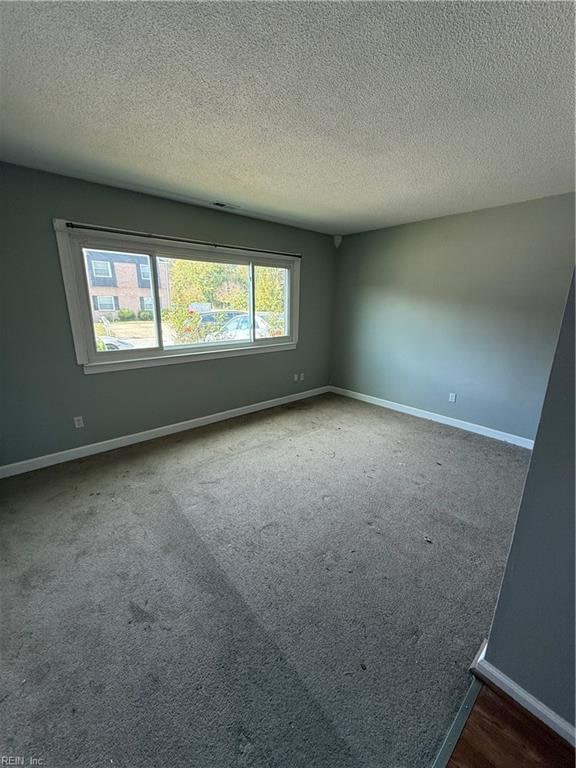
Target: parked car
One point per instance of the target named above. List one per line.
(215, 316)
(238, 329)
(112, 344)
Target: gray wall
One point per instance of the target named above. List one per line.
(532, 636)
(43, 387)
(468, 304)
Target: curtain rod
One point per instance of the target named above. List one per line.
(71, 225)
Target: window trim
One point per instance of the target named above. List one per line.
(71, 240)
(141, 301)
(147, 277)
(108, 276)
(101, 309)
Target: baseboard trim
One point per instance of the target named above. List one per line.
(478, 429)
(487, 672)
(39, 462)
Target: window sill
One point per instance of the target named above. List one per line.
(194, 357)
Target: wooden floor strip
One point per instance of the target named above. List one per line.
(499, 733)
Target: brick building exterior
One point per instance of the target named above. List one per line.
(123, 281)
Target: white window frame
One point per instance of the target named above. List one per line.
(142, 275)
(146, 298)
(106, 264)
(105, 309)
(73, 237)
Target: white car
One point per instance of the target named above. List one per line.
(113, 344)
(238, 329)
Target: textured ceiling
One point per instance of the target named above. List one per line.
(336, 116)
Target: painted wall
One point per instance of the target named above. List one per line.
(532, 636)
(43, 387)
(468, 304)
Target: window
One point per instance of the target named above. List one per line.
(122, 331)
(271, 301)
(195, 291)
(202, 301)
(101, 268)
(105, 303)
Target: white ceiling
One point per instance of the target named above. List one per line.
(335, 116)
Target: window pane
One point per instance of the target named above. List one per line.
(271, 301)
(203, 302)
(101, 269)
(122, 319)
(105, 303)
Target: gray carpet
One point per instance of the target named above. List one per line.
(299, 588)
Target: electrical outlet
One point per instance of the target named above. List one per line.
(78, 422)
(301, 377)
(295, 377)
(452, 397)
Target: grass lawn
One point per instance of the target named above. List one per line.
(129, 329)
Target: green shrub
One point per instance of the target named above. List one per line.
(145, 314)
(186, 326)
(126, 314)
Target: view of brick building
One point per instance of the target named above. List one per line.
(123, 281)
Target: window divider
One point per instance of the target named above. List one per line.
(252, 307)
(156, 297)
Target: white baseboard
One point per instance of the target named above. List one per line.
(7, 470)
(486, 671)
(17, 468)
(478, 429)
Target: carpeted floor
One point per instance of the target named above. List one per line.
(300, 588)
